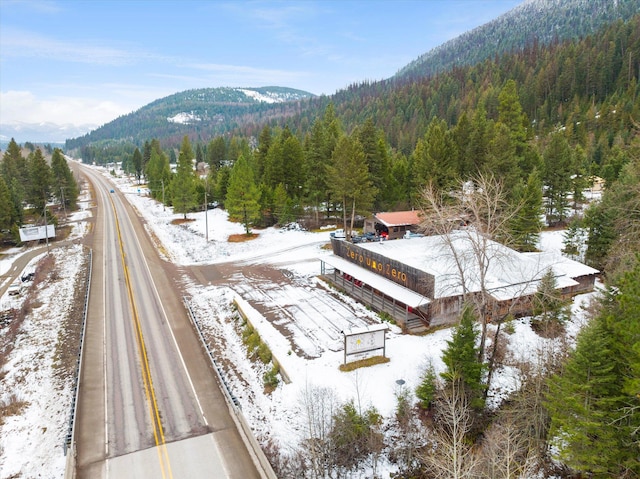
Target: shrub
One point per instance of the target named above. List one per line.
(270, 378)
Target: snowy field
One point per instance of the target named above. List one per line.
(310, 352)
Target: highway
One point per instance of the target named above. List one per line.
(149, 403)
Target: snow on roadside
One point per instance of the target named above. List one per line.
(31, 443)
(278, 415)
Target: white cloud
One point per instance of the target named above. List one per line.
(20, 43)
(25, 107)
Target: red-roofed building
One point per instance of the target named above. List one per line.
(394, 223)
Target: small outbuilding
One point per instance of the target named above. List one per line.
(393, 224)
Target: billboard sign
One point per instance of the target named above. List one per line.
(360, 343)
(33, 233)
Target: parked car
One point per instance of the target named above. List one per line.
(338, 234)
(15, 288)
(369, 236)
(27, 277)
(411, 234)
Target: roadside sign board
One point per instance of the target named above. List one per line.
(360, 343)
(32, 233)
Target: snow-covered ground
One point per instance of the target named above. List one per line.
(31, 443)
(310, 353)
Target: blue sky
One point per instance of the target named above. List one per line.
(85, 62)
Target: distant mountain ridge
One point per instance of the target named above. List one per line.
(206, 113)
(208, 110)
(44, 132)
(541, 21)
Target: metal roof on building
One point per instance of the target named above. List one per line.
(508, 273)
(399, 218)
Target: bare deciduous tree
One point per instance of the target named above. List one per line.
(481, 206)
(505, 452)
(451, 455)
(406, 437)
(319, 407)
(474, 224)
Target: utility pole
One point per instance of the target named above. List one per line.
(46, 227)
(206, 212)
(163, 203)
(64, 208)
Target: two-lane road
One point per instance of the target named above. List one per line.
(149, 403)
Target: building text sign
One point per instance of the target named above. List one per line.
(403, 274)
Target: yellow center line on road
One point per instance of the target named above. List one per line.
(158, 432)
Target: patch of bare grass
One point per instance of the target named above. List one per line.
(242, 238)
(182, 221)
(363, 363)
(13, 406)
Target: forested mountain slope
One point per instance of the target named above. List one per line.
(534, 21)
(204, 113)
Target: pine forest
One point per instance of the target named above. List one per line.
(539, 125)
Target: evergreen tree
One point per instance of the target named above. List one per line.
(433, 157)
(595, 402)
(582, 403)
(127, 165)
(217, 153)
(558, 164)
(614, 223)
(146, 156)
(66, 187)
(183, 185)
(375, 155)
(600, 220)
(479, 141)
(293, 160)
(13, 165)
(428, 387)
(158, 173)
(526, 223)
(315, 163)
(462, 138)
(572, 240)
(199, 154)
(579, 180)
(221, 184)
(283, 210)
(349, 179)
(242, 200)
(13, 169)
(549, 308)
(283, 164)
(40, 180)
(461, 359)
(6, 207)
(501, 157)
(511, 115)
(260, 155)
(136, 160)
(238, 147)
(354, 435)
